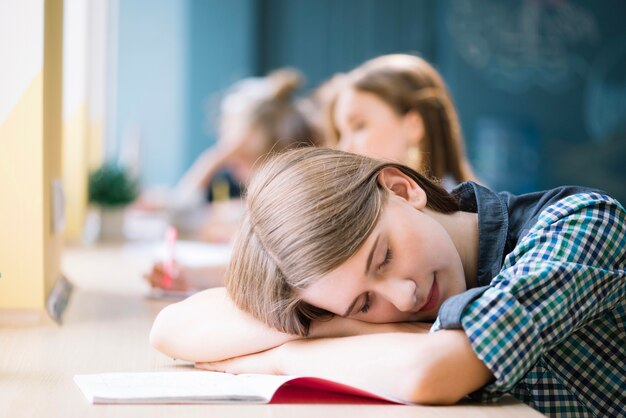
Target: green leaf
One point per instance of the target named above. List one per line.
(112, 186)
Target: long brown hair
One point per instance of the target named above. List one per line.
(308, 211)
(407, 82)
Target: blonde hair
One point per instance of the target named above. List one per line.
(320, 107)
(279, 116)
(308, 211)
(407, 82)
(268, 104)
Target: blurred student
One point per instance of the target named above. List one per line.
(397, 108)
(258, 116)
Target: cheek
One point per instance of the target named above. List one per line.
(426, 249)
(451, 277)
(388, 142)
(242, 168)
(379, 145)
(385, 313)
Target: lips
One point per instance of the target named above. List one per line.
(433, 298)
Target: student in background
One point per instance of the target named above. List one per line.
(527, 292)
(258, 116)
(397, 108)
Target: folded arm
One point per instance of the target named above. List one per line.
(436, 368)
(198, 177)
(209, 327)
(401, 359)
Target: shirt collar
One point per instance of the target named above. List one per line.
(493, 226)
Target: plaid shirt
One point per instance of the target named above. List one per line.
(551, 324)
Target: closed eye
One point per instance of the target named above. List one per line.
(366, 304)
(386, 261)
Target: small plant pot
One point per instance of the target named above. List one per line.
(112, 224)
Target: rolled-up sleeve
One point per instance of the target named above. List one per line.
(567, 271)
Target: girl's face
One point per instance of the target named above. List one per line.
(369, 126)
(246, 159)
(244, 143)
(404, 271)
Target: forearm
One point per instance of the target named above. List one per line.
(437, 368)
(202, 171)
(345, 327)
(209, 327)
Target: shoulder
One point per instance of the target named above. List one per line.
(587, 229)
(587, 206)
(524, 209)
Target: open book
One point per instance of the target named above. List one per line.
(212, 387)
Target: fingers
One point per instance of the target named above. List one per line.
(218, 366)
(156, 278)
(264, 362)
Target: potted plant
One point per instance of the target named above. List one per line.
(112, 188)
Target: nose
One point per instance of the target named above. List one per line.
(399, 292)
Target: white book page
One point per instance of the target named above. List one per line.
(265, 384)
(173, 387)
(189, 253)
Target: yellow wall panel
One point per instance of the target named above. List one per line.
(82, 153)
(21, 185)
(52, 133)
(75, 140)
(30, 158)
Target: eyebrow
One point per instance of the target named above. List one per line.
(367, 268)
(371, 255)
(347, 313)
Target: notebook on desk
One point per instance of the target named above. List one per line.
(174, 295)
(188, 253)
(194, 387)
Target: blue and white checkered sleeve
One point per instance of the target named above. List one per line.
(570, 268)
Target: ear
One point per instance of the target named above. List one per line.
(413, 126)
(403, 186)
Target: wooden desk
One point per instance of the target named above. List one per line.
(106, 329)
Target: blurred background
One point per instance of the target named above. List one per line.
(104, 104)
(540, 86)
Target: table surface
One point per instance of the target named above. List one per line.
(105, 329)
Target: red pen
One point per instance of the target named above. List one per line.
(171, 235)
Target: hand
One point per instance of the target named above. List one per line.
(264, 362)
(186, 278)
(269, 361)
(179, 282)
